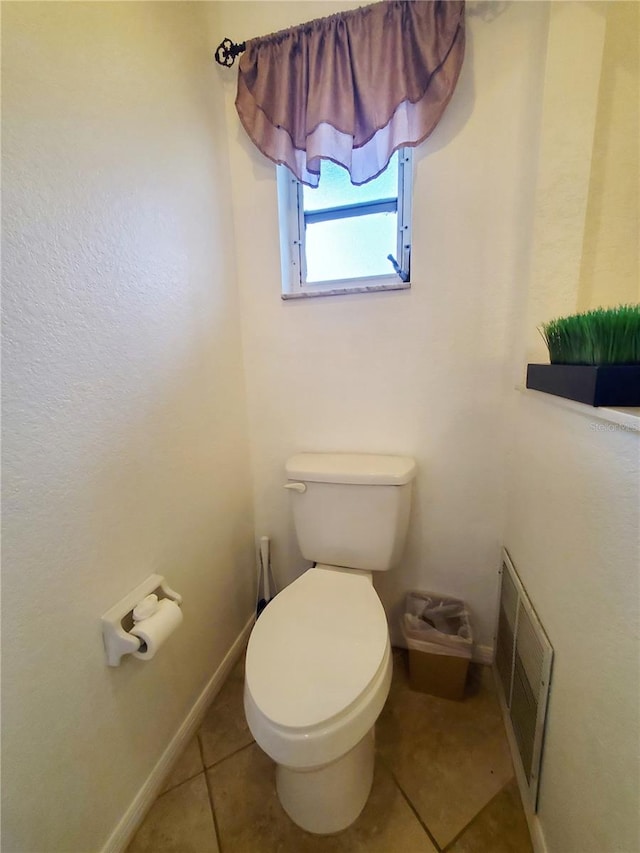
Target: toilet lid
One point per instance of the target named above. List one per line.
(316, 647)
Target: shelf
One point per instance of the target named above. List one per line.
(627, 418)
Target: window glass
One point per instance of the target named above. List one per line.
(355, 247)
(339, 237)
(336, 188)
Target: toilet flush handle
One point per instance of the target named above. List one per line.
(296, 487)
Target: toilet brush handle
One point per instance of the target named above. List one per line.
(264, 559)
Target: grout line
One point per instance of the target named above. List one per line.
(216, 828)
(224, 758)
(182, 782)
(410, 804)
(475, 817)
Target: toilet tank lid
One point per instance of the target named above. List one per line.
(355, 468)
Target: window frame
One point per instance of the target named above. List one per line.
(291, 218)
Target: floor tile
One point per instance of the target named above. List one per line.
(224, 729)
(188, 765)
(251, 820)
(180, 821)
(500, 828)
(450, 758)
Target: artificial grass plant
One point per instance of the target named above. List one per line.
(601, 336)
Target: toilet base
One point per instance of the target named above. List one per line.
(330, 798)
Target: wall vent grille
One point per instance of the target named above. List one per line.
(523, 659)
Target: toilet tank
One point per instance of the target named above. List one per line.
(351, 509)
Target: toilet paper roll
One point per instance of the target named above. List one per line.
(154, 630)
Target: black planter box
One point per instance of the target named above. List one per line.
(596, 385)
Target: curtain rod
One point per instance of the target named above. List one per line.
(227, 51)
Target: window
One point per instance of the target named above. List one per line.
(338, 238)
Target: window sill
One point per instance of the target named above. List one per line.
(627, 419)
(340, 291)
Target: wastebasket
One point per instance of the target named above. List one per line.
(438, 635)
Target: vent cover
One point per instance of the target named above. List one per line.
(523, 660)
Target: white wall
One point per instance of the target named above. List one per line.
(610, 269)
(573, 523)
(585, 243)
(573, 532)
(125, 441)
(419, 372)
(572, 71)
(124, 422)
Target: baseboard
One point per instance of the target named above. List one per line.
(133, 817)
(537, 836)
(533, 821)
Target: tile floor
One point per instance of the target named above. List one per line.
(443, 782)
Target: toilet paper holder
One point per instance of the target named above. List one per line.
(118, 620)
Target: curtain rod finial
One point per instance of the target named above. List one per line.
(227, 51)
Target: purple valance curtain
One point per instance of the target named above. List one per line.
(352, 87)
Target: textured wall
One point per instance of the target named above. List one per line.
(610, 271)
(125, 443)
(573, 533)
(574, 490)
(572, 70)
(585, 244)
(422, 371)
(125, 449)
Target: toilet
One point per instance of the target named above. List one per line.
(318, 664)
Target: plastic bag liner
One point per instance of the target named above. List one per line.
(437, 624)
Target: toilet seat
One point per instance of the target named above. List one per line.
(318, 668)
(316, 648)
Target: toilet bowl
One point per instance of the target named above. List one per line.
(318, 664)
(317, 674)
